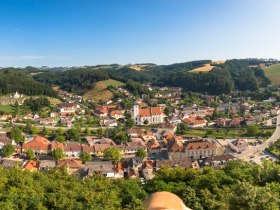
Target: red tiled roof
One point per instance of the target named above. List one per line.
(174, 146)
(150, 111)
(71, 163)
(30, 165)
(200, 145)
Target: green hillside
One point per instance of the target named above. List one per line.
(273, 73)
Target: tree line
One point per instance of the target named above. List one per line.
(240, 185)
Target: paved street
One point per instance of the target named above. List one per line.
(258, 149)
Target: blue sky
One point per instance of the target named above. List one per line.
(90, 32)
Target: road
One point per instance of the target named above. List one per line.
(50, 127)
(255, 150)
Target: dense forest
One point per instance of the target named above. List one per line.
(240, 186)
(12, 80)
(243, 74)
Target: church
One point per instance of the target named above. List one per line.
(147, 116)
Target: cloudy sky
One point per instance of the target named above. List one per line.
(89, 32)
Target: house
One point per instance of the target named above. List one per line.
(132, 133)
(46, 165)
(10, 163)
(196, 150)
(195, 122)
(68, 108)
(71, 165)
(239, 145)
(56, 145)
(31, 166)
(4, 140)
(47, 121)
(117, 114)
(152, 115)
(72, 149)
(87, 148)
(218, 161)
(39, 144)
(184, 163)
(6, 117)
(109, 122)
(104, 168)
(132, 147)
(132, 167)
(91, 140)
(250, 120)
(100, 148)
(175, 149)
(170, 127)
(153, 145)
(28, 116)
(148, 168)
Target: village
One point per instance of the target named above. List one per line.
(128, 136)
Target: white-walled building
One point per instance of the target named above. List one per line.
(153, 115)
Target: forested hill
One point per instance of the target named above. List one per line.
(12, 80)
(232, 75)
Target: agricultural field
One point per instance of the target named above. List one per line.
(98, 92)
(111, 82)
(6, 109)
(205, 68)
(273, 73)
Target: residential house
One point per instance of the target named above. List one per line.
(46, 165)
(31, 166)
(132, 167)
(239, 145)
(104, 168)
(218, 161)
(135, 144)
(39, 144)
(71, 165)
(100, 148)
(196, 150)
(68, 108)
(10, 163)
(72, 149)
(117, 114)
(87, 148)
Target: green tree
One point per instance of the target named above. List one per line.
(87, 131)
(34, 130)
(121, 137)
(129, 123)
(112, 154)
(57, 154)
(85, 156)
(60, 138)
(16, 135)
(146, 122)
(252, 130)
(30, 154)
(28, 126)
(141, 153)
(8, 150)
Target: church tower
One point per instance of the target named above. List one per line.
(135, 112)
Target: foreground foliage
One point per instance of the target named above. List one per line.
(240, 185)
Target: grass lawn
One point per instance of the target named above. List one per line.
(273, 73)
(115, 83)
(6, 108)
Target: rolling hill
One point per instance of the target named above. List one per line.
(273, 73)
(100, 90)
